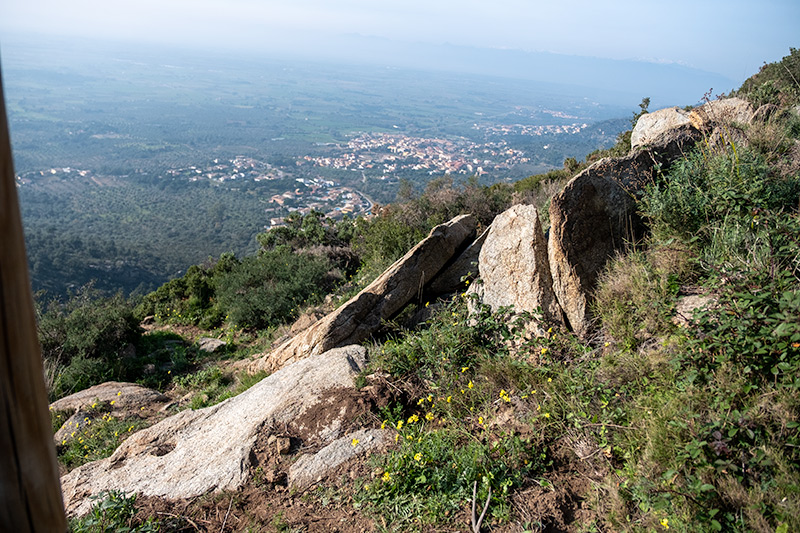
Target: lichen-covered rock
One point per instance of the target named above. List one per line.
(591, 219)
(513, 265)
(363, 314)
(195, 452)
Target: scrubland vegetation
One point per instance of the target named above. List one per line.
(663, 419)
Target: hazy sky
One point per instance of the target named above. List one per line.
(732, 38)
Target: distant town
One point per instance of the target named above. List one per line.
(377, 155)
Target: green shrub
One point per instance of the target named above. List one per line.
(114, 511)
(776, 83)
(189, 299)
(709, 189)
(269, 289)
(83, 339)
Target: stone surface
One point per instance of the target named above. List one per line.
(464, 267)
(363, 314)
(309, 469)
(652, 127)
(72, 427)
(126, 396)
(687, 305)
(195, 452)
(513, 265)
(210, 345)
(723, 111)
(591, 219)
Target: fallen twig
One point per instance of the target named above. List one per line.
(476, 526)
(226, 517)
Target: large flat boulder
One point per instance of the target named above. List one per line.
(124, 395)
(196, 452)
(360, 317)
(513, 265)
(591, 219)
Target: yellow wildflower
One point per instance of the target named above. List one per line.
(383, 424)
(119, 393)
(418, 456)
(399, 424)
(428, 416)
(464, 369)
(544, 351)
(449, 399)
(412, 419)
(355, 442)
(470, 384)
(665, 523)
(386, 476)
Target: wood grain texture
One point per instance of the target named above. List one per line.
(30, 492)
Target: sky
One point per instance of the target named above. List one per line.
(733, 38)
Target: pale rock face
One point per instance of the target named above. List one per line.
(724, 111)
(124, 396)
(210, 345)
(591, 219)
(363, 314)
(310, 468)
(513, 265)
(196, 452)
(651, 127)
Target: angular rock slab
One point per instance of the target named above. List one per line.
(195, 452)
(591, 219)
(465, 266)
(363, 314)
(513, 265)
(308, 469)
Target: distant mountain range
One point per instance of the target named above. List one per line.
(622, 82)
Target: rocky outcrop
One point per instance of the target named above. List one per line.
(725, 111)
(452, 278)
(115, 395)
(591, 219)
(651, 128)
(514, 268)
(362, 315)
(195, 452)
(210, 344)
(311, 468)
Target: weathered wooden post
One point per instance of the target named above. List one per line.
(30, 492)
